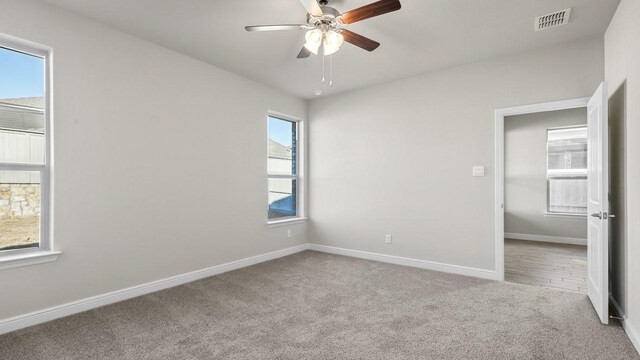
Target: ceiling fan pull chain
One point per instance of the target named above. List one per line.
(322, 69)
(330, 70)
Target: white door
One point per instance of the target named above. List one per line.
(598, 203)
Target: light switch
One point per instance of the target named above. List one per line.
(478, 171)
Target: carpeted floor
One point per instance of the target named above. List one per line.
(318, 306)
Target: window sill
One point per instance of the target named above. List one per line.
(561, 215)
(33, 258)
(290, 221)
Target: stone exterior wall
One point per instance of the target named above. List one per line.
(19, 200)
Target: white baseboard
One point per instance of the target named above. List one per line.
(631, 330)
(56, 312)
(632, 333)
(545, 238)
(423, 264)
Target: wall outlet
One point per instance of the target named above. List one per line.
(388, 239)
(289, 234)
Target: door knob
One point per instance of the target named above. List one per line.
(598, 215)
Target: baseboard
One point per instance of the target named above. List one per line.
(632, 333)
(629, 328)
(422, 264)
(56, 312)
(546, 238)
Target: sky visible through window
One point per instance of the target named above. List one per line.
(280, 131)
(21, 75)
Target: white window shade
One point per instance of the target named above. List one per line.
(567, 134)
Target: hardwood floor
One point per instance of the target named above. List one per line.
(542, 264)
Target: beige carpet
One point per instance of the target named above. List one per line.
(318, 306)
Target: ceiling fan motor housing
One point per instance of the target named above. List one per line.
(329, 19)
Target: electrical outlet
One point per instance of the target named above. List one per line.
(387, 239)
(289, 234)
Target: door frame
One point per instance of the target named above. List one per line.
(500, 114)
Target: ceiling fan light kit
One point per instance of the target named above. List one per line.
(332, 42)
(326, 26)
(314, 39)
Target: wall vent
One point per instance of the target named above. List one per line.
(554, 19)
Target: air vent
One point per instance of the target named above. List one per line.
(552, 20)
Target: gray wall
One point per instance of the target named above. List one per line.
(131, 119)
(526, 175)
(622, 72)
(397, 158)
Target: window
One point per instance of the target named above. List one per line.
(24, 156)
(283, 169)
(567, 171)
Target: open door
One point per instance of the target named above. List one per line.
(598, 203)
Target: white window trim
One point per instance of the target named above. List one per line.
(564, 215)
(301, 163)
(45, 252)
(287, 221)
(563, 173)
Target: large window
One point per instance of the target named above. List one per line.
(24, 155)
(283, 169)
(567, 170)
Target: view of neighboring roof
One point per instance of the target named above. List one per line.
(278, 150)
(26, 117)
(32, 102)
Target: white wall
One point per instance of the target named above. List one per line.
(622, 71)
(131, 119)
(397, 158)
(525, 181)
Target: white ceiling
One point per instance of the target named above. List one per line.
(425, 35)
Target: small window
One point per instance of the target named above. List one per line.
(283, 169)
(567, 171)
(24, 154)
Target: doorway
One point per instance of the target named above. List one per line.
(598, 216)
(545, 205)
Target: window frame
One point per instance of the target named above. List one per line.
(568, 174)
(45, 252)
(300, 171)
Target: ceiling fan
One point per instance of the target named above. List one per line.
(326, 26)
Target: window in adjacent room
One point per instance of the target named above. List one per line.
(567, 170)
(283, 169)
(24, 155)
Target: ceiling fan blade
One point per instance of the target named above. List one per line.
(304, 53)
(275, 27)
(359, 40)
(312, 7)
(369, 11)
